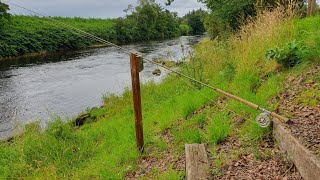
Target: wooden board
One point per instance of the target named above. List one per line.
(306, 162)
(196, 162)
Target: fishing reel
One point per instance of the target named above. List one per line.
(263, 120)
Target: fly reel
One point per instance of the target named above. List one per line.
(263, 120)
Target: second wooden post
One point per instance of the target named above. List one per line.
(135, 70)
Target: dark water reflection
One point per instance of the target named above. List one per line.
(65, 84)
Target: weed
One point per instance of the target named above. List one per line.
(287, 56)
(309, 97)
(219, 128)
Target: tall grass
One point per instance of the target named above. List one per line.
(106, 148)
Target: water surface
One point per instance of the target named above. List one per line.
(65, 84)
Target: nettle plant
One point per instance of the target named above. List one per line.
(287, 56)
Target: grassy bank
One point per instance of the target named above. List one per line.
(28, 34)
(31, 34)
(105, 146)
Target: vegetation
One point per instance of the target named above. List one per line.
(195, 20)
(287, 56)
(25, 34)
(30, 34)
(148, 21)
(228, 15)
(105, 148)
(4, 15)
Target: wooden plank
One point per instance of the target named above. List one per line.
(306, 162)
(135, 69)
(196, 162)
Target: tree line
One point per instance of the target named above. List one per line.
(226, 16)
(21, 35)
(147, 21)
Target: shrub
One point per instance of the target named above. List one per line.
(185, 29)
(287, 56)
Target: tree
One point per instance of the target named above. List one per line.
(230, 14)
(231, 11)
(147, 21)
(4, 15)
(195, 20)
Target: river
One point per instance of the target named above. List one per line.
(66, 84)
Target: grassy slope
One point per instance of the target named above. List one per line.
(29, 34)
(106, 148)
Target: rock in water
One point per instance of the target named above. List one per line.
(157, 72)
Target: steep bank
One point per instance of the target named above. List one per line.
(174, 113)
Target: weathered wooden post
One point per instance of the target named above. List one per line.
(135, 70)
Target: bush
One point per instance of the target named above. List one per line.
(185, 29)
(288, 56)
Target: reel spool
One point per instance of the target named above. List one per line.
(263, 120)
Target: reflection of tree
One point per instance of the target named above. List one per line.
(6, 109)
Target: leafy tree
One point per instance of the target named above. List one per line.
(195, 20)
(148, 21)
(231, 11)
(4, 15)
(228, 15)
(185, 29)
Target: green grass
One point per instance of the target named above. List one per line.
(105, 148)
(29, 34)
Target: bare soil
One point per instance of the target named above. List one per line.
(266, 162)
(294, 100)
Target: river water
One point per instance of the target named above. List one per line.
(64, 85)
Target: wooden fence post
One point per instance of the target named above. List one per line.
(135, 69)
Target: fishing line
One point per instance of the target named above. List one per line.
(210, 100)
(263, 118)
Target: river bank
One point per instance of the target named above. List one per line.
(46, 53)
(31, 34)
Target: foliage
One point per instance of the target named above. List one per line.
(4, 15)
(231, 11)
(26, 34)
(287, 56)
(229, 15)
(215, 27)
(185, 29)
(30, 34)
(148, 21)
(195, 20)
